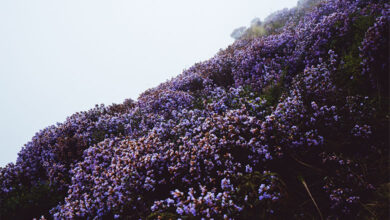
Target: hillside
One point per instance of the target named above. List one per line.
(291, 121)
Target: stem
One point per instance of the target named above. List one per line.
(307, 165)
(312, 199)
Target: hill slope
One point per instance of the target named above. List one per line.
(291, 122)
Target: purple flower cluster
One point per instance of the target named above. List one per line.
(230, 135)
(374, 51)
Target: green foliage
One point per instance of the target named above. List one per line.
(101, 134)
(349, 76)
(98, 135)
(275, 22)
(377, 208)
(30, 201)
(273, 92)
(255, 31)
(247, 191)
(163, 216)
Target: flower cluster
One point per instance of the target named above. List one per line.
(231, 136)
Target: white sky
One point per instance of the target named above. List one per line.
(64, 56)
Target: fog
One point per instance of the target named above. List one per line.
(61, 57)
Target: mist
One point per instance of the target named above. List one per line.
(61, 57)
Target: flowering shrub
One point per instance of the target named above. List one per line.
(289, 124)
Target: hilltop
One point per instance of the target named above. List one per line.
(291, 121)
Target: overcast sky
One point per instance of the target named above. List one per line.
(64, 56)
